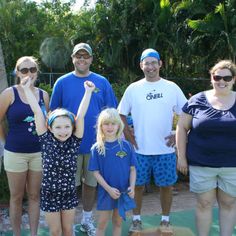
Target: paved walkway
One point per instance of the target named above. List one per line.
(183, 200)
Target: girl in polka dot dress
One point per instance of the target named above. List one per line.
(60, 139)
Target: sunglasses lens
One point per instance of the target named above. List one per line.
(227, 78)
(33, 69)
(84, 56)
(26, 70)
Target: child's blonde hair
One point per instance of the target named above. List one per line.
(107, 115)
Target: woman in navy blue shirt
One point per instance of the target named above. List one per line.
(22, 154)
(206, 143)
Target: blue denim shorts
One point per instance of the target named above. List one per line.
(163, 168)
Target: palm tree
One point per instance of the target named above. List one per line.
(216, 31)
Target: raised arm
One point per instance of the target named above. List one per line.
(40, 122)
(183, 127)
(79, 123)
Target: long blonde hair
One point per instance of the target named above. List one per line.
(107, 115)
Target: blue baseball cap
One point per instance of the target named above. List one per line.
(150, 53)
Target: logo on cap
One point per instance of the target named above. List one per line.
(82, 46)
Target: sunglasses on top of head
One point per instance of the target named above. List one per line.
(26, 70)
(226, 78)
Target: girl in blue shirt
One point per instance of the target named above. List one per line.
(60, 139)
(113, 162)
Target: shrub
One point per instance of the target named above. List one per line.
(4, 190)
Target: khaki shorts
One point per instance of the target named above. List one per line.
(82, 173)
(21, 162)
(204, 179)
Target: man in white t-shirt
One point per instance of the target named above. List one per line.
(152, 103)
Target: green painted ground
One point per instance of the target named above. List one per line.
(183, 223)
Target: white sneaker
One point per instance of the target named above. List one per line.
(136, 226)
(87, 226)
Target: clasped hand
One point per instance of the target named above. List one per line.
(26, 82)
(115, 193)
(89, 85)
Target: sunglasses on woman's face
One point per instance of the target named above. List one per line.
(226, 78)
(26, 70)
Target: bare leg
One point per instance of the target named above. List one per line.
(116, 223)
(227, 213)
(138, 199)
(53, 220)
(205, 203)
(166, 199)
(16, 182)
(88, 197)
(33, 189)
(103, 219)
(67, 221)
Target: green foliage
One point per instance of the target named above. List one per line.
(192, 86)
(119, 89)
(24, 25)
(123, 78)
(216, 29)
(190, 35)
(4, 190)
(46, 87)
(20, 32)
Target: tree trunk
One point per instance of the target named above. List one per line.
(3, 75)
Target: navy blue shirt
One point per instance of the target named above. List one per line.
(59, 162)
(212, 138)
(22, 136)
